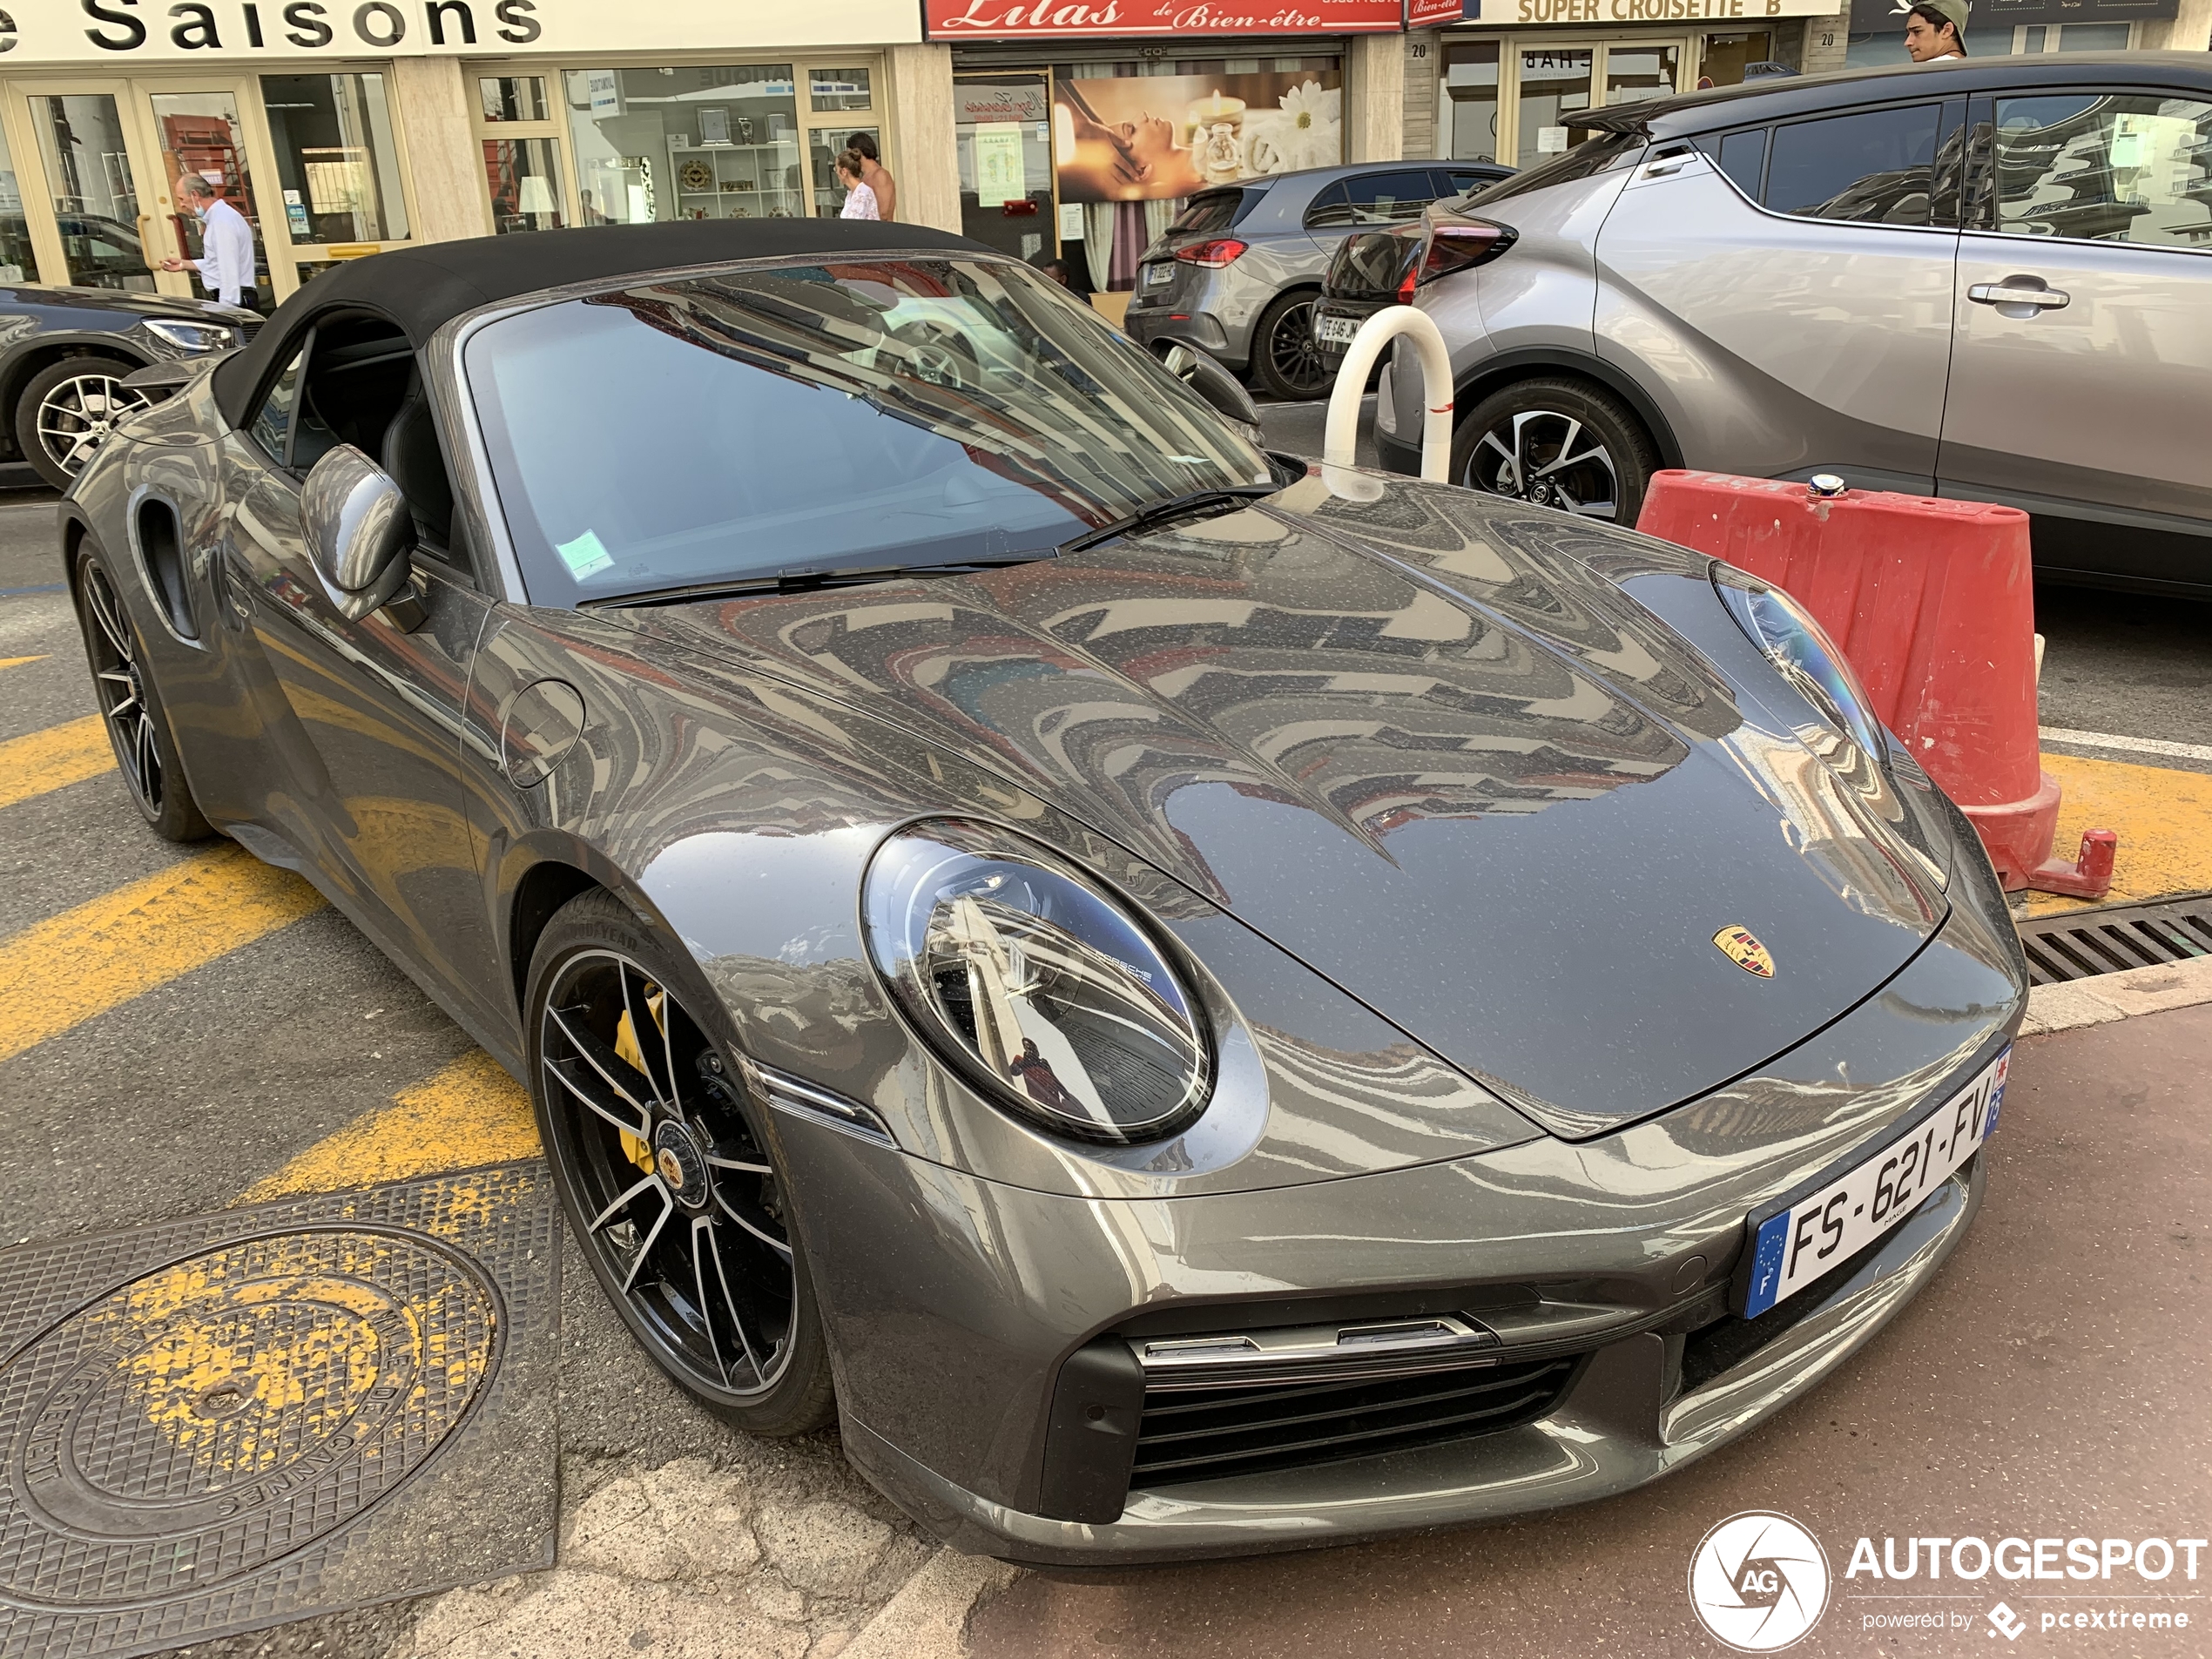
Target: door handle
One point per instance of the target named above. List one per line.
(2029, 292)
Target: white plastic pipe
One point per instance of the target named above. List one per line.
(1341, 436)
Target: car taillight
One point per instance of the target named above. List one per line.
(1455, 244)
(1212, 255)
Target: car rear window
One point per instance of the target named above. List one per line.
(1877, 166)
(1372, 198)
(1593, 155)
(1210, 214)
(1370, 265)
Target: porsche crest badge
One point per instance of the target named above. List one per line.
(1742, 947)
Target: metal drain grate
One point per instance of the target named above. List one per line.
(2112, 937)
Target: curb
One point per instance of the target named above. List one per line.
(2117, 996)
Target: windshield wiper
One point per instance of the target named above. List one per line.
(809, 581)
(1229, 498)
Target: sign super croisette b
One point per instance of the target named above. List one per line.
(179, 33)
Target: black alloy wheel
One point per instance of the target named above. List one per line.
(68, 410)
(1287, 359)
(668, 1186)
(130, 708)
(1556, 443)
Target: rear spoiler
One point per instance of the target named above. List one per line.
(1619, 118)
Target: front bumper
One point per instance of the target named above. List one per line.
(959, 1309)
(1626, 1420)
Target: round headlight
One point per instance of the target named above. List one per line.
(1800, 647)
(1046, 992)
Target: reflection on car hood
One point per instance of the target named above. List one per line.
(1420, 743)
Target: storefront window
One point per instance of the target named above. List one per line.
(1633, 72)
(823, 146)
(1555, 83)
(836, 90)
(200, 133)
(336, 162)
(1723, 61)
(17, 262)
(95, 204)
(1471, 87)
(512, 98)
(1002, 138)
(692, 143)
(524, 178)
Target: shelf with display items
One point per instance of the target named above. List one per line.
(735, 180)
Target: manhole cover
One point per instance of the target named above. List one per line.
(222, 1411)
(215, 1425)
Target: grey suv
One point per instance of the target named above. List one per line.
(1237, 272)
(1988, 279)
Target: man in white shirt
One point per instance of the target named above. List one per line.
(226, 262)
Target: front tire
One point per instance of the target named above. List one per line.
(137, 725)
(1286, 361)
(669, 1185)
(67, 411)
(1560, 444)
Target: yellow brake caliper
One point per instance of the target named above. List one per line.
(627, 1050)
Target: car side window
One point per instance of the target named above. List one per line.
(2101, 166)
(1875, 167)
(272, 422)
(1372, 198)
(1742, 156)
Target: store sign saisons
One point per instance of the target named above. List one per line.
(186, 31)
(1128, 19)
(1156, 137)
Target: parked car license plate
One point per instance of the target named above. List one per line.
(1336, 331)
(1158, 276)
(1797, 1243)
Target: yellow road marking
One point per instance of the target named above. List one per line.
(470, 1113)
(2164, 817)
(53, 758)
(18, 662)
(109, 949)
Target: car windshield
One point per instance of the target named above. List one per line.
(848, 414)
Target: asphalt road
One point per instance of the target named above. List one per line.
(227, 1066)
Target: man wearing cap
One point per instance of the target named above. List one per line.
(1935, 29)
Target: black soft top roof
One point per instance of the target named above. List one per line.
(423, 288)
(1782, 96)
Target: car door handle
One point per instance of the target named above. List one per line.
(2016, 291)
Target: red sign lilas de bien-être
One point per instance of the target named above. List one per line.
(1077, 19)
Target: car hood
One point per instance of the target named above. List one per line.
(1419, 742)
(119, 303)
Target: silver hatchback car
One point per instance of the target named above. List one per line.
(1236, 274)
(1985, 279)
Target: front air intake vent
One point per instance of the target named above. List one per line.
(1245, 1427)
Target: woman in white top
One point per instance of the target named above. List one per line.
(860, 200)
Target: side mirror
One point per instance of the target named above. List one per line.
(359, 532)
(1212, 382)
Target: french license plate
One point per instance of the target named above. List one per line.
(1797, 1243)
(1158, 276)
(1337, 331)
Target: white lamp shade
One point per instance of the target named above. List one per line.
(538, 194)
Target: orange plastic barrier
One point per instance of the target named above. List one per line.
(1933, 603)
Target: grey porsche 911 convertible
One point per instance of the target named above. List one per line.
(1192, 1004)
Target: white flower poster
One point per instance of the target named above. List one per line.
(1153, 137)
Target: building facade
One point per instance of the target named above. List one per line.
(1069, 128)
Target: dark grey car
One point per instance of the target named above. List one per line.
(65, 352)
(1238, 273)
(1197, 1006)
